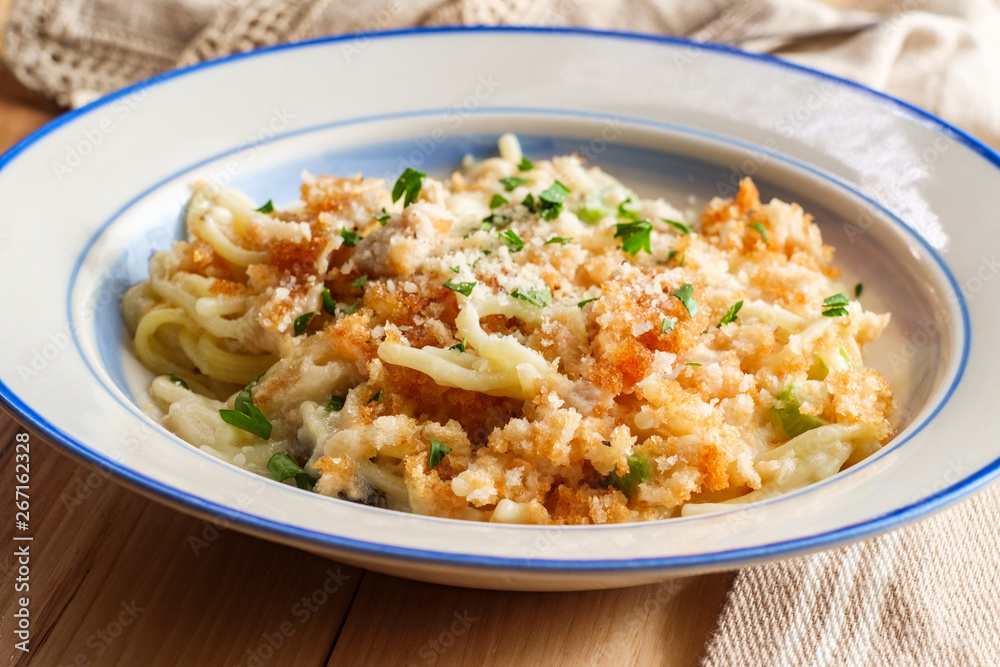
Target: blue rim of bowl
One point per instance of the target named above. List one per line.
(716, 560)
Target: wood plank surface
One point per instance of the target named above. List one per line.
(117, 579)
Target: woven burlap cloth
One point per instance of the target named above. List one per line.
(928, 594)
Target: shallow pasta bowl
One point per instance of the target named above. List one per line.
(903, 196)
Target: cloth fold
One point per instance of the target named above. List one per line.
(925, 594)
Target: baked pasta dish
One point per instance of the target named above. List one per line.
(527, 341)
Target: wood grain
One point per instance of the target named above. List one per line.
(117, 579)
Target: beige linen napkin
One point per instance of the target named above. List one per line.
(928, 594)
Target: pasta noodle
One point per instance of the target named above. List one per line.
(523, 342)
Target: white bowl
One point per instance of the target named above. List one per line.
(907, 200)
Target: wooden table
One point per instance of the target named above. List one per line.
(117, 578)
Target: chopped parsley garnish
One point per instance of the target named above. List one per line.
(282, 467)
(382, 219)
(525, 164)
(457, 268)
(686, 295)
(461, 288)
(634, 236)
(408, 184)
(680, 262)
(511, 238)
(858, 289)
(679, 226)
(581, 304)
(329, 305)
(178, 381)
(247, 416)
(760, 228)
(266, 208)
(536, 297)
(460, 347)
(550, 201)
(639, 470)
(786, 415)
(730, 315)
(592, 209)
(692, 363)
(498, 200)
(350, 238)
(667, 325)
(336, 404)
(511, 182)
(529, 203)
(376, 398)
(497, 219)
(359, 281)
(301, 322)
(561, 240)
(834, 306)
(439, 450)
(351, 308)
(629, 209)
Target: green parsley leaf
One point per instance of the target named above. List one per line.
(282, 467)
(668, 325)
(351, 238)
(529, 203)
(176, 380)
(511, 238)
(561, 240)
(461, 288)
(351, 308)
(247, 416)
(457, 268)
(834, 306)
(382, 219)
(460, 347)
(266, 208)
(692, 363)
(686, 295)
(329, 305)
(680, 262)
(786, 415)
(760, 228)
(634, 236)
(592, 208)
(550, 201)
(629, 209)
(359, 281)
(679, 226)
(511, 182)
(525, 164)
(336, 404)
(639, 470)
(581, 304)
(498, 200)
(376, 398)
(301, 322)
(408, 183)
(536, 297)
(858, 289)
(730, 315)
(438, 451)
